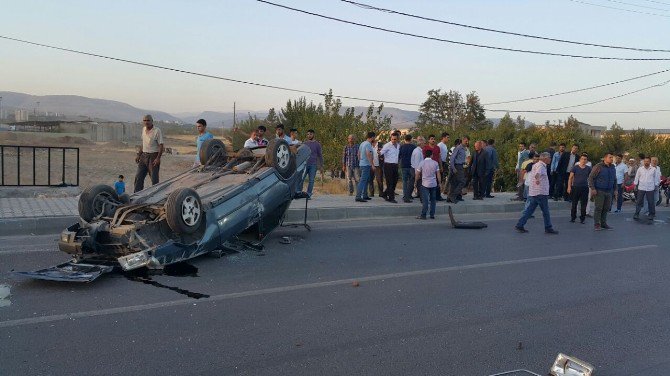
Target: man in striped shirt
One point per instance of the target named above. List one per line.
(538, 194)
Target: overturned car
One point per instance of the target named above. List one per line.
(237, 198)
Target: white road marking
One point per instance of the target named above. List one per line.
(307, 286)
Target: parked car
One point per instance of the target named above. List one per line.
(242, 197)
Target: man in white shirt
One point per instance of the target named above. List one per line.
(279, 131)
(252, 141)
(148, 158)
(621, 168)
(444, 161)
(294, 137)
(417, 157)
(646, 180)
(428, 174)
(390, 153)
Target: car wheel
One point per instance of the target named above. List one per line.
(94, 201)
(278, 155)
(183, 211)
(124, 198)
(211, 148)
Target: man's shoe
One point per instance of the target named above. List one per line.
(393, 201)
(618, 211)
(432, 217)
(367, 198)
(420, 217)
(460, 199)
(489, 196)
(520, 229)
(597, 228)
(636, 216)
(606, 227)
(589, 215)
(551, 231)
(360, 200)
(581, 220)
(407, 201)
(572, 220)
(351, 193)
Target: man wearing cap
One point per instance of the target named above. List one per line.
(203, 135)
(148, 158)
(279, 131)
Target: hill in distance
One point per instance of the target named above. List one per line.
(73, 105)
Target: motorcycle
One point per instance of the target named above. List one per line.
(665, 189)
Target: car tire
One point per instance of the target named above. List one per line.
(211, 147)
(278, 155)
(91, 201)
(183, 211)
(124, 198)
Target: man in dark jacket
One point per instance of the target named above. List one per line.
(479, 170)
(492, 165)
(602, 182)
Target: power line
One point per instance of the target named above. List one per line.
(581, 112)
(621, 9)
(578, 90)
(312, 92)
(366, 6)
(457, 42)
(636, 5)
(205, 75)
(657, 2)
(610, 98)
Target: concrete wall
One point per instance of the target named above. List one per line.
(105, 132)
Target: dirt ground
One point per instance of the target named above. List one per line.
(100, 163)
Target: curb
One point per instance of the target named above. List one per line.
(54, 225)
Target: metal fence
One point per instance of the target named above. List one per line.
(39, 166)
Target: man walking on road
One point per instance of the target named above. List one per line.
(405, 158)
(352, 170)
(645, 182)
(148, 158)
(538, 194)
(366, 164)
(493, 164)
(602, 182)
(390, 152)
(429, 174)
(456, 165)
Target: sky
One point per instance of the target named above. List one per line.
(251, 41)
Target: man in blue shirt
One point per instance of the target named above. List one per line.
(203, 135)
(366, 163)
(456, 165)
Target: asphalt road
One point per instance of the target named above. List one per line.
(384, 297)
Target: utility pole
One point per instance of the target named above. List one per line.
(0, 110)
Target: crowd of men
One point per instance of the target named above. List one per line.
(429, 169)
